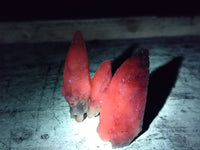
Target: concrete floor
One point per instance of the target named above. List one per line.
(35, 116)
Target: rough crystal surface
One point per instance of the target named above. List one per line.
(100, 83)
(122, 110)
(76, 79)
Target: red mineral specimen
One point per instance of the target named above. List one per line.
(76, 79)
(100, 83)
(122, 110)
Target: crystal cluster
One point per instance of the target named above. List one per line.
(120, 99)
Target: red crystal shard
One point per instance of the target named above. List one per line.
(76, 79)
(122, 110)
(100, 83)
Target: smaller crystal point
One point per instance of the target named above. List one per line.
(100, 83)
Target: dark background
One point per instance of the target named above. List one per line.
(33, 10)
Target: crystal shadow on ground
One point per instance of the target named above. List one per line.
(161, 82)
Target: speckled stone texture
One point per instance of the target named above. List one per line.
(34, 114)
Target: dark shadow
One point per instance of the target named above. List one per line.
(161, 82)
(120, 59)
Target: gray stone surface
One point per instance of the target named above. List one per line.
(101, 29)
(35, 116)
